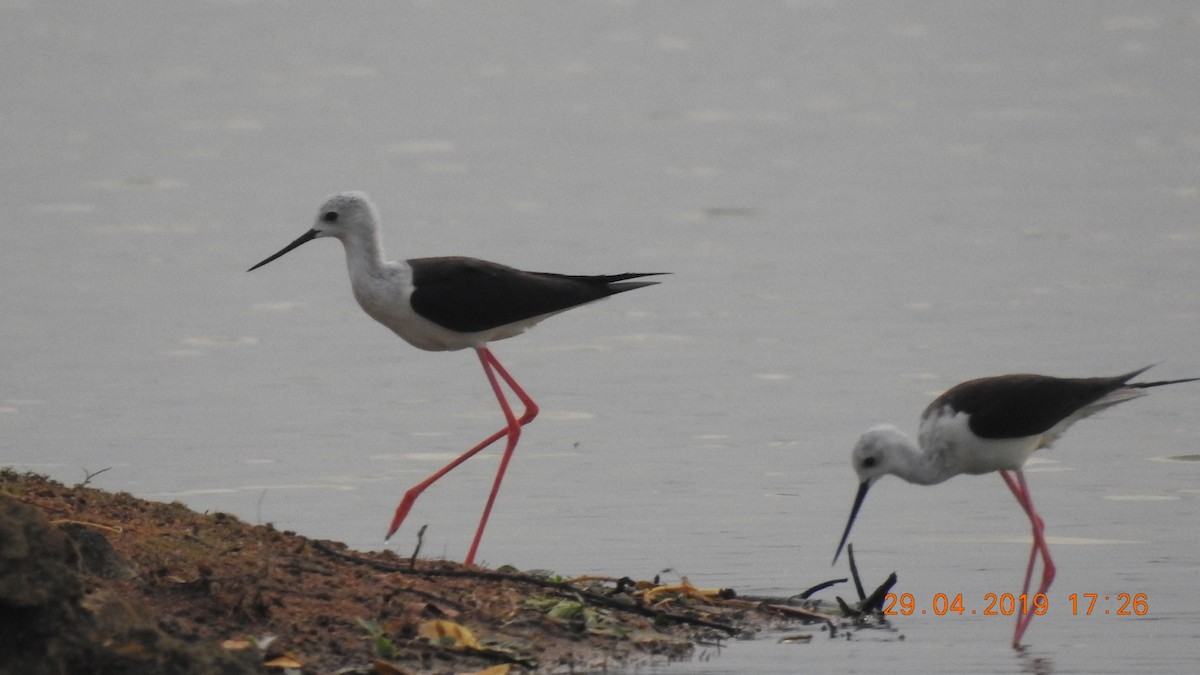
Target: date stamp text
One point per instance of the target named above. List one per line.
(1007, 604)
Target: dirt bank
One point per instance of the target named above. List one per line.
(96, 582)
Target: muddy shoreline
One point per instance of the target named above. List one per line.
(92, 581)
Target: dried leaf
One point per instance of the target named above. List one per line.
(283, 662)
(683, 588)
(448, 633)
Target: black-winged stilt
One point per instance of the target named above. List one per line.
(985, 425)
(452, 303)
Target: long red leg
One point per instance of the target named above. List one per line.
(1020, 490)
(511, 429)
(1048, 568)
(491, 366)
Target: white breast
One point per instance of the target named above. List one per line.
(948, 437)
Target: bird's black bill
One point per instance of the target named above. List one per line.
(303, 239)
(858, 500)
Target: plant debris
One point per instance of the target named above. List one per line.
(92, 581)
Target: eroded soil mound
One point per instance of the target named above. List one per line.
(95, 582)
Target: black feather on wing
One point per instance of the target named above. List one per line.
(471, 295)
(1015, 406)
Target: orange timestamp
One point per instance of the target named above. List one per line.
(1007, 604)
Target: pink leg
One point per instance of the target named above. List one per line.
(1048, 568)
(1020, 490)
(512, 430)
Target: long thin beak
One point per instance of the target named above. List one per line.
(303, 239)
(858, 500)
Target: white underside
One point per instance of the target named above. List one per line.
(385, 298)
(947, 435)
(425, 334)
(959, 450)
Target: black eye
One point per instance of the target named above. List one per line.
(869, 462)
(330, 217)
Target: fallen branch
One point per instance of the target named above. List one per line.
(567, 589)
(807, 593)
(412, 561)
(89, 475)
(874, 602)
(854, 573)
(801, 613)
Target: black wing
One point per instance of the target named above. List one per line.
(471, 295)
(1015, 406)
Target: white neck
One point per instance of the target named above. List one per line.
(364, 254)
(906, 460)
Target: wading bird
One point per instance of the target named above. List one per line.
(452, 303)
(985, 425)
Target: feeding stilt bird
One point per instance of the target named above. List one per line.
(985, 425)
(452, 303)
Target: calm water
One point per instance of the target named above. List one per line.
(862, 204)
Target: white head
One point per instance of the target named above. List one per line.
(876, 454)
(345, 215)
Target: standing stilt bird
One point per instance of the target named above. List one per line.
(985, 425)
(452, 303)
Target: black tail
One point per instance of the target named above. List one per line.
(610, 278)
(618, 283)
(1146, 385)
(622, 286)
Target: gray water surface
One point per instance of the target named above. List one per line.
(862, 204)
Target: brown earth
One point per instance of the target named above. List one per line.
(96, 582)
